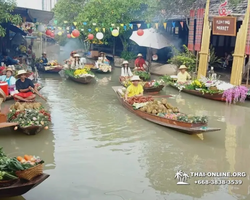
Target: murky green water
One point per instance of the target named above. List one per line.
(96, 150)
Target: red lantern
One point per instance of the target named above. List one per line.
(140, 32)
(48, 32)
(52, 35)
(68, 36)
(75, 33)
(90, 36)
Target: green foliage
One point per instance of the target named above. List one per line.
(6, 7)
(167, 79)
(214, 60)
(184, 58)
(127, 55)
(143, 75)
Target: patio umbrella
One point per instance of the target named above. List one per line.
(151, 39)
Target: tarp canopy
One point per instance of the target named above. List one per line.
(13, 28)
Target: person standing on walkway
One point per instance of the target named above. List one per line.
(140, 63)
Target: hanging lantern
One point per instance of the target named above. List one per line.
(48, 32)
(59, 33)
(140, 32)
(90, 36)
(41, 28)
(68, 36)
(115, 32)
(75, 33)
(99, 35)
(72, 36)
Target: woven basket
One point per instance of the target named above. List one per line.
(7, 183)
(30, 173)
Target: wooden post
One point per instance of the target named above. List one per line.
(202, 70)
(247, 72)
(239, 51)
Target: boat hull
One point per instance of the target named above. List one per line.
(83, 80)
(100, 71)
(51, 71)
(215, 97)
(21, 187)
(189, 128)
(32, 130)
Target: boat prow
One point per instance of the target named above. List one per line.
(185, 127)
(21, 187)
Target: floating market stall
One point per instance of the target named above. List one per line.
(162, 113)
(102, 67)
(145, 76)
(52, 67)
(211, 89)
(32, 118)
(152, 87)
(19, 174)
(83, 76)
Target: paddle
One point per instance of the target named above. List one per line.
(35, 91)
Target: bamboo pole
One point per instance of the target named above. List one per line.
(239, 52)
(202, 70)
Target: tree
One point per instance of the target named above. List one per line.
(6, 7)
(103, 13)
(68, 10)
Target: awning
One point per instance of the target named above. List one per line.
(33, 15)
(14, 28)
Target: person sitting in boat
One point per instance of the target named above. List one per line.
(71, 58)
(25, 87)
(140, 63)
(76, 63)
(183, 75)
(125, 71)
(103, 58)
(10, 79)
(44, 60)
(8, 60)
(135, 89)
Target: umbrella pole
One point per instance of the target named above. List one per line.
(150, 58)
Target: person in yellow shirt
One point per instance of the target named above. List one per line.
(135, 89)
(183, 75)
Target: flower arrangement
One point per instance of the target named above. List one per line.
(236, 94)
(78, 73)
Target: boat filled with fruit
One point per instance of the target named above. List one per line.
(102, 67)
(31, 117)
(19, 174)
(52, 67)
(83, 75)
(144, 75)
(163, 113)
(210, 89)
(152, 87)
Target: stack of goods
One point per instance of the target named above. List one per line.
(29, 114)
(12, 169)
(105, 67)
(163, 109)
(79, 73)
(142, 74)
(52, 65)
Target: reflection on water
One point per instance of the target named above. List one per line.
(102, 151)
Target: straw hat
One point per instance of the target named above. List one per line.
(76, 55)
(125, 62)
(139, 55)
(183, 67)
(44, 53)
(135, 78)
(20, 72)
(9, 69)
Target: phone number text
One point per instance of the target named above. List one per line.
(219, 182)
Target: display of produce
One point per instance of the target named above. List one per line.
(229, 92)
(103, 66)
(29, 114)
(163, 109)
(16, 167)
(79, 73)
(150, 84)
(142, 74)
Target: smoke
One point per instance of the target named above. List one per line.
(71, 45)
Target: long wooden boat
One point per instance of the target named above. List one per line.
(189, 128)
(55, 70)
(215, 97)
(96, 70)
(151, 90)
(21, 187)
(82, 80)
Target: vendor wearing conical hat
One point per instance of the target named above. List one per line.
(135, 89)
(183, 75)
(125, 71)
(25, 87)
(140, 63)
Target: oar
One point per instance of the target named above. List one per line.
(39, 94)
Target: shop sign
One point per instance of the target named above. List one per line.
(224, 26)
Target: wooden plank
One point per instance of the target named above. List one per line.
(7, 124)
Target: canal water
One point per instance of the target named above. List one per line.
(96, 150)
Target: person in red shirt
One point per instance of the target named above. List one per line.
(140, 62)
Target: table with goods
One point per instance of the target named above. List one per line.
(19, 174)
(211, 89)
(163, 113)
(31, 117)
(83, 75)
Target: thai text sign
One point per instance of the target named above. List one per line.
(224, 26)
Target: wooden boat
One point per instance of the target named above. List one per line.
(215, 97)
(31, 130)
(21, 186)
(190, 128)
(55, 70)
(151, 90)
(82, 80)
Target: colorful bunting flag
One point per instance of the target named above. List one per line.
(112, 24)
(125, 27)
(148, 25)
(156, 25)
(131, 26)
(104, 30)
(89, 29)
(165, 25)
(173, 24)
(94, 24)
(181, 24)
(111, 29)
(96, 29)
(138, 25)
(118, 28)
(84, 23)
(122, 24)
(65, 22)
(75, 23)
